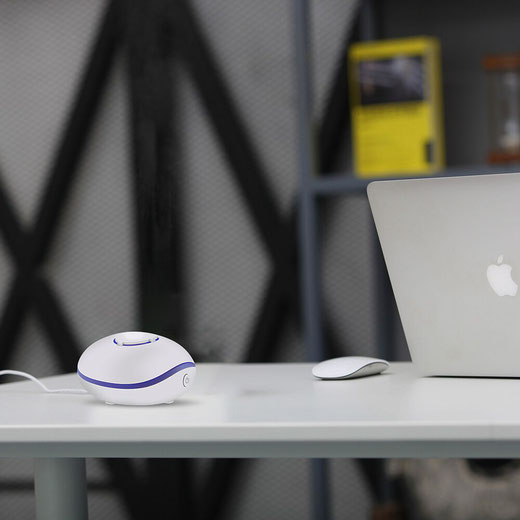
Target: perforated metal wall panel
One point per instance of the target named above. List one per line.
(43, 46)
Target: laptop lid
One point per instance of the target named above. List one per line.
(452, 249)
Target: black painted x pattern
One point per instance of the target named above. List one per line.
(30, 248)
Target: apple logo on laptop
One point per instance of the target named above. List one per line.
(499, 277)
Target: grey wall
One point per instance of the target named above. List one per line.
(42, 49)
(468, 31)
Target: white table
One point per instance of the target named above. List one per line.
(257, 410)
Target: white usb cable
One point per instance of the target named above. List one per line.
(38, 382)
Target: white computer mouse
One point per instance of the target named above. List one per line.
(349, 367)
(136, 368)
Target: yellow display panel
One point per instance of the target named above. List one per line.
(396, 107)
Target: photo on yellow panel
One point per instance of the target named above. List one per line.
(396, 107)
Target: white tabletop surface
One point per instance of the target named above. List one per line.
(272, 410)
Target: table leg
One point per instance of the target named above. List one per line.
(320, 490)
(60, 486)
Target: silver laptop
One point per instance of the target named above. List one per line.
(452, 249)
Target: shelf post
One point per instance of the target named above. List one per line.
(308, 215)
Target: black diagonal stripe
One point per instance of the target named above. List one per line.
(64, 166)
(246, 166)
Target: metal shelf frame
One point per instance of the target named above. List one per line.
(339, 184)
(313, 187)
